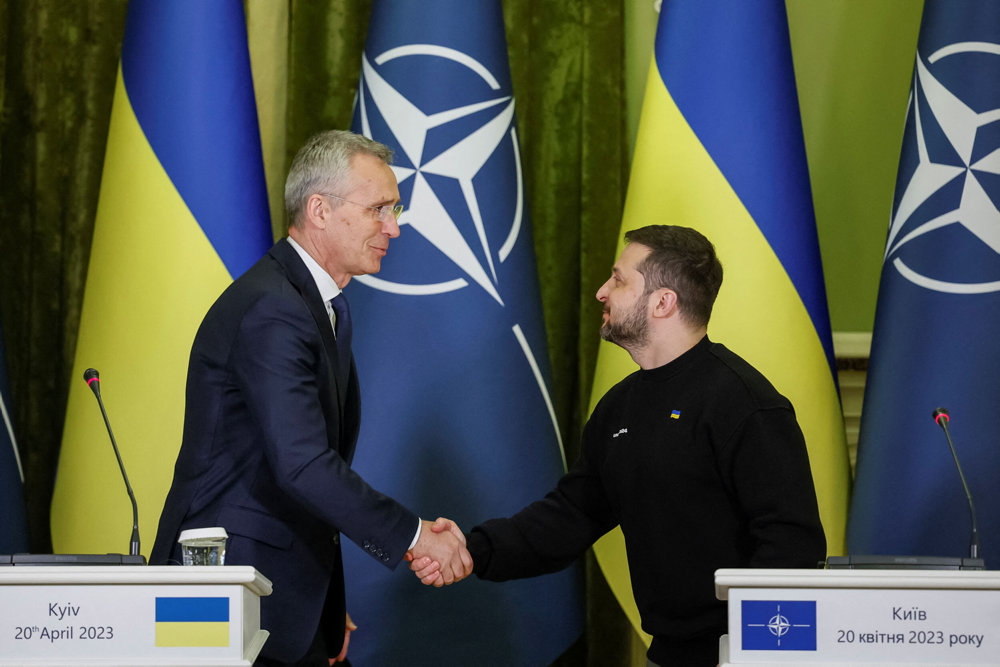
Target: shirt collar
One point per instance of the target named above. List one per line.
(326, 285)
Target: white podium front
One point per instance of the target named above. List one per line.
(860, 617)
(130, 615)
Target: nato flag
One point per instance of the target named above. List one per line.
(449, 342)
(774, 625)
(938, 315)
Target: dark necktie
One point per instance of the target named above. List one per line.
(343, 330)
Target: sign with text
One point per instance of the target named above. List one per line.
(805, 626)
(117, 624)
(89, 622)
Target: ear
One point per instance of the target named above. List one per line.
(664, 302)
(317, 212)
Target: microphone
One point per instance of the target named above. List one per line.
(879, 562)
(93, 380)
(942, 419)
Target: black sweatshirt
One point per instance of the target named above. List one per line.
(703, 465)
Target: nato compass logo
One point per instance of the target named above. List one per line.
(457, 163)
(945, 229)
(450, 121)
(779, 626)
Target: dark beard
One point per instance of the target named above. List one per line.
(632, 331)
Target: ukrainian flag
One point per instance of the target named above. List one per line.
(192, 621)
(720, 149)
(182, 211)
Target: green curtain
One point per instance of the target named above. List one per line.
(58, 63)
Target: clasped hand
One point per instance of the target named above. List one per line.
(439, 558)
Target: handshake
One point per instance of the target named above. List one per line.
(439, 558)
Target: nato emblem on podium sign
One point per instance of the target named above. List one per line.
(770, 625)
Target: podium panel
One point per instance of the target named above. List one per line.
(124, 615)
(860, 617)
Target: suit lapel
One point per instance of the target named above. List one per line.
(303, 281)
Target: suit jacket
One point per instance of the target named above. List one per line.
(269, 435)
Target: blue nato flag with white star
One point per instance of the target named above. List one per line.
(937, 321)
(449, 342)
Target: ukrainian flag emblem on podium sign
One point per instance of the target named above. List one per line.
(192, 621)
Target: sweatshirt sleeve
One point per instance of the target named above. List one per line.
(549, 534)
(773, 482)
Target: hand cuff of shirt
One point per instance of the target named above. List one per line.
(416, 537)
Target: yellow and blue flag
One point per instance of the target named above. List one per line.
(13, 519)
(191, 621)
(938, 307)
(450, 342)
(720, 149)
(182, 211)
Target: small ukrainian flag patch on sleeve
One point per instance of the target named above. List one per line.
(192, 621)
(675, 414)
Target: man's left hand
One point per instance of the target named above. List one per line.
(349, 627)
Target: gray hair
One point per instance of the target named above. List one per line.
(323, 164)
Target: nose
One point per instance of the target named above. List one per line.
(390, 226)
(602, 291)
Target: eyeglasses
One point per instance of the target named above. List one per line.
(381, 211)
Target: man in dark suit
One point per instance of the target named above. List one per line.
(273, 411)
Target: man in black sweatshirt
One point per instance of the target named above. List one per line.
(695, 455)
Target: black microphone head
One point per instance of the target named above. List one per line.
(937, 414)
(93, 379)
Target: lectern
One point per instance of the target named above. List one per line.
(860, 617)
(131, 615)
